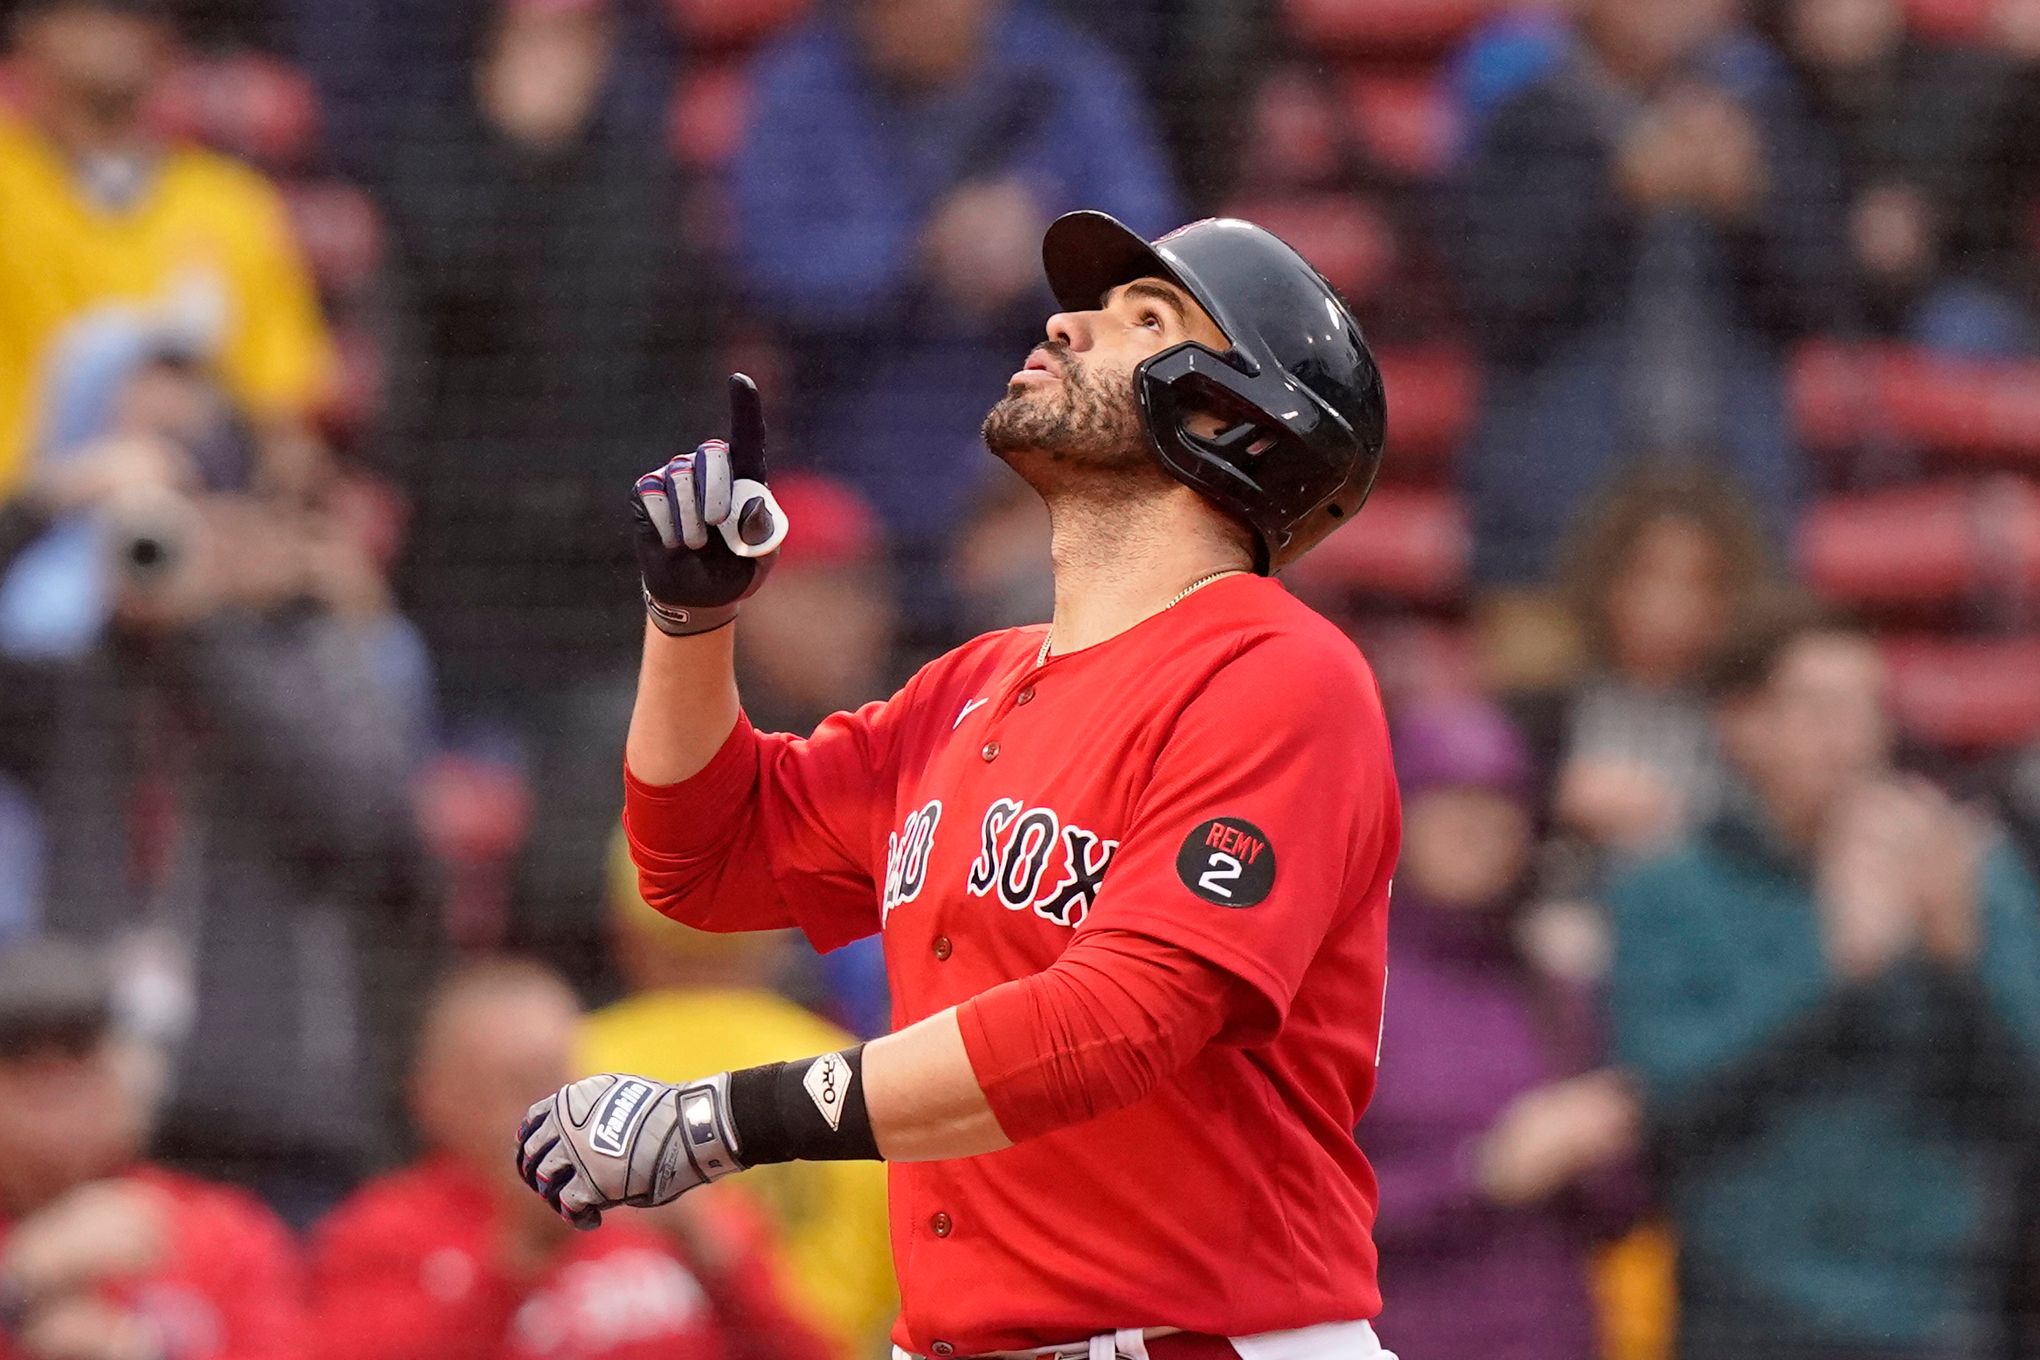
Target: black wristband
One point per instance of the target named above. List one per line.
(685, 621)
(807, 1111)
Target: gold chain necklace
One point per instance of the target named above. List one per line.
(1185, 593)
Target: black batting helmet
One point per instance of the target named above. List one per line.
(1299, 388)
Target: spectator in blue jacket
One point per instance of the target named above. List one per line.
(1643, 230)
(1831, 1001)
(903, 159)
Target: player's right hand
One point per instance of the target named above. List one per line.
(614, 1139)
(708, 528)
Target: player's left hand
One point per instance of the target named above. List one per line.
(708, 528)
(621, 1140)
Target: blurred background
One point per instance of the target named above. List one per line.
(1703, 584)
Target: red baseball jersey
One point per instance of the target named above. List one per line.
(1216, 778)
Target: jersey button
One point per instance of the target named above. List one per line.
(991, 751)
(1025, 696)
(943, 949)
(943, 1348)
(940, 1225)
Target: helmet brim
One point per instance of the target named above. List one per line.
(1087, 254)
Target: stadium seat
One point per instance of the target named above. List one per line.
(1957, 21)
(1911, 547)
(1959, 410)
(341, 233)
(1345, 236)
(1385, 28)
(726, 25)
(1408, 544)
(1404, 122)
(1924, 546)
(253, 106)
(705, 120)
(1431, 395)
(1971, 695)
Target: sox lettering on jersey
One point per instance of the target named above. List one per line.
(1017, 846)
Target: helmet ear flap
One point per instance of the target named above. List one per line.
(1182, 383)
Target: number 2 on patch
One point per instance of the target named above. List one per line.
(1227, 862)
(1224, 869)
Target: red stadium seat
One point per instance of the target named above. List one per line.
(1385, 28)
(1928, 545)
(2011, 528)
(340, 232)
(705, 120)
(1344, 236)
(1967, 410)
(1960, 21)
(1407, 544)
(1961, 410)
(253, 106)
(723, 25)
(1967, 694)
(1431, 395)
(1912, 547)
(1405, 122)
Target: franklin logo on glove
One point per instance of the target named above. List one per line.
(616, 1115)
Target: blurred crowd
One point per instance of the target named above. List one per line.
(1702, 588)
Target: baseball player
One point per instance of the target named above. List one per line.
(1131, 868)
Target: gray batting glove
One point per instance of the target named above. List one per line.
(621, 1140)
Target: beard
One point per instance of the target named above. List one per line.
(1089, 419)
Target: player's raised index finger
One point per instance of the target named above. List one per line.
(747, 429)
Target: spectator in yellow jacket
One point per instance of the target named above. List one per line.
(96, 210)
(705, 1003)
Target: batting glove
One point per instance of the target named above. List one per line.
(621, 1140)
(708, 528)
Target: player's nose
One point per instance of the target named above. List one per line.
(1072, 329)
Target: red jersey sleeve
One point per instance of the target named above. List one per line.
(1270, 818)
(776, 830)
(1113, 1016)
